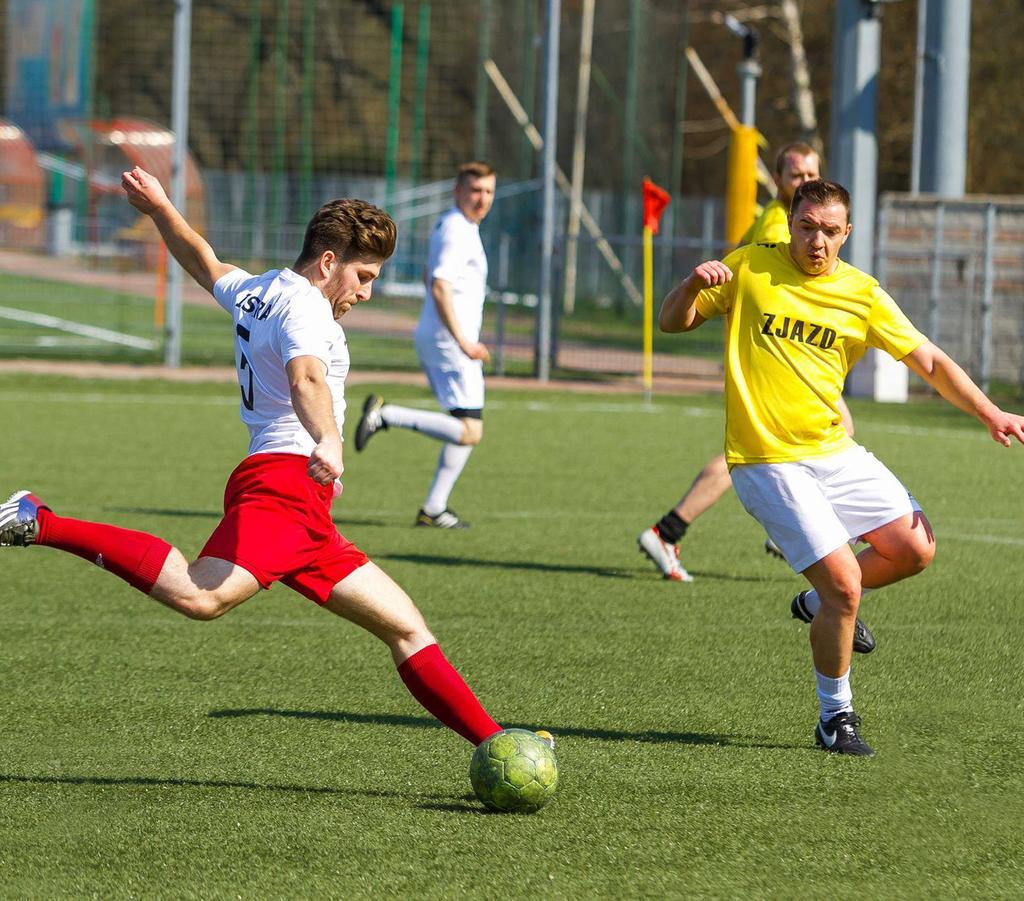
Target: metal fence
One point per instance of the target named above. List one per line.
(293, 102)
(956, 267)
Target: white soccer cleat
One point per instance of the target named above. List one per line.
(663, 555)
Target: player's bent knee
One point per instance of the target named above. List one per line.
(918, 555)
(472, 432)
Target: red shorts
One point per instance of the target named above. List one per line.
(277, 525)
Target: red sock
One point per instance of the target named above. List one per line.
(136, 557)
(435, 684)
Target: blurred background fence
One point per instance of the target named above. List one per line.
(293, 102)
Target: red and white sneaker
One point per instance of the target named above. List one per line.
(663, 555)
(18, 519)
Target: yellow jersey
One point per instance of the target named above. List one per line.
(771, 227)
(790, 340)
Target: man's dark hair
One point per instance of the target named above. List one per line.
(473, 169)
(353, 229)
(821, 193)
(797, 147)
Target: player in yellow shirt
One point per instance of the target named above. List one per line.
(797, 320)
(794, 164)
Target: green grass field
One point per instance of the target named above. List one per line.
(274, 752)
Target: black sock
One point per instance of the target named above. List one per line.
(671, 528)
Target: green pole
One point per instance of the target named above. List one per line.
(676, 176)
(483, 53)
(277, 210)
(250, 150)
(306, 136)
(528, 16)
(420, 108)
(630, 223)
(629, 116)
(89, 89)
(394, 99)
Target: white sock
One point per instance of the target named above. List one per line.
(813, 603)
(834, 695)
(437, 425)
(450, 462)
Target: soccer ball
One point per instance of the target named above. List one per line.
(514, 771)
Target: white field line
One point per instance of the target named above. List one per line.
(76, 328)
(530, 406)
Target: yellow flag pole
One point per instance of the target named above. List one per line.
(648, 312)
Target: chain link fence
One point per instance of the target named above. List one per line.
(956, 267)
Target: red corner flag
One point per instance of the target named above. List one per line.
(655, 201)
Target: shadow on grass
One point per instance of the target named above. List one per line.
(217, 514)
(437, 560)
(440, 800)
(422, 722)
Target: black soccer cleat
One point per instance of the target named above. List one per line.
(863, 640)
(446, 519)
(371, 421)
(840, 736)
(773, 550)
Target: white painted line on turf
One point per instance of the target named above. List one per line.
(984, 539)
(77, 328)
(530, 406)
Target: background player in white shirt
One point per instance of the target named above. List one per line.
(448, 344)
(292, 361)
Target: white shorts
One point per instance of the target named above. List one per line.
(810, 508)
(457, 385)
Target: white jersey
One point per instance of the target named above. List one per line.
(280, 316)
(457, 256)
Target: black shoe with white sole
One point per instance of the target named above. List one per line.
(863, 640)
(446, 519)
(840, 736)
(371, 421)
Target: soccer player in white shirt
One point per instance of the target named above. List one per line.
(448, 345)
(292, 361)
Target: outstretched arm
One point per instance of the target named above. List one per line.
(945, 376)
(678, 313)
(195, 256)
(312, 402)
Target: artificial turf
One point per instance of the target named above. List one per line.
(275, 753)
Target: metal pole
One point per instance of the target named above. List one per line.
(542, 351)
(420, 102)
(394, 102)
(678, 132)
(985, 336)
(250, 146)
(306, 139)
(179, 125)
(578, 149)
(944, 112)
(935, 282)
(528, 16)
(483, 53)
(915, 147)
(504, 255)
(854, 148)
(628, 222)
(279, 196)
